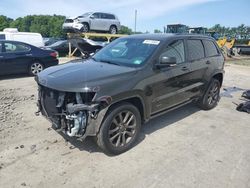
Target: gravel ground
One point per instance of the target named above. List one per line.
(187, 147)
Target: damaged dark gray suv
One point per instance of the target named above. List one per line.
(128, 82)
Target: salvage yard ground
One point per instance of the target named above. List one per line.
(187, 147)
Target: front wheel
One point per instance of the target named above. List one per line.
(35, 68)
(120, 129)
(85, 28)
(212, 96)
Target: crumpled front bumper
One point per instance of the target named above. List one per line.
(66, 115)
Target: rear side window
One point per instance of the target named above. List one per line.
(110, 16)
(175, 49)
(12, 47)
(210, 48)
(0, 47)
(2, 36)
(104, 16)
(195, 50)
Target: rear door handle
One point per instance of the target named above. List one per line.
(184, 69)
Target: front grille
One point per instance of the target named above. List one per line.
(48, 99)
(69, 21)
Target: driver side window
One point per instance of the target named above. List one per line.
(175, 49)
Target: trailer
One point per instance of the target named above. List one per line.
(81, 42)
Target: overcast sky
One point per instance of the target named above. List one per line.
(153, 14)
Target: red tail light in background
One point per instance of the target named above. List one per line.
(54, 54)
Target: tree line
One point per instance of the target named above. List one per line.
(47, 25)
(51, 26)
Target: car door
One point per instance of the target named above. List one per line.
(198, 64)
(2, 61)
(96, 22)
(17, 57)
(171, 83)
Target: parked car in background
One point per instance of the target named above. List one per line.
(51, 40)
(128, 82)
(34, 39)
(62, 47)
(86, 46)
(93, 21)
(19, 57)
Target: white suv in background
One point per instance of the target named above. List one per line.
(93, 21)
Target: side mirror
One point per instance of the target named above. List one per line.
(166, 62)
(92, 17)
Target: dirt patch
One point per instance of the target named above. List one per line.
(10, 117)
(187, 147)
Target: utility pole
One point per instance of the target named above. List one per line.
(135, 21)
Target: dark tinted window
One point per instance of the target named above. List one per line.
(15, 47)
(97, 15)
(110, 16)
(210, 48)
(104, 16)
(175, 49)
(195, 49)
(2, 36)
(0, 47)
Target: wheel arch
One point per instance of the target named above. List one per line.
(88, 24)
(218, 76)
(137, 101)
(134, 100)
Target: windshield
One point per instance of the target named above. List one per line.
(85, 15)
(127, 51)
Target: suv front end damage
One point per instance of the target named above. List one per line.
(71, 112)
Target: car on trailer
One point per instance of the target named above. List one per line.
(93, 21)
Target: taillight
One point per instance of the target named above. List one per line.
(54, 54)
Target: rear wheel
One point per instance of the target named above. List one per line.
(120, 129)
(113, 29)
(212, 96)
(35, 68)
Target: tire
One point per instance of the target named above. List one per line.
(113, 29)
(35, 68)
(85, 28)
(211, 97)
(115, 137)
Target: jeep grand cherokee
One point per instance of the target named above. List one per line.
(128, 82)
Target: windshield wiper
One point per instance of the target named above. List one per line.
(109, 62)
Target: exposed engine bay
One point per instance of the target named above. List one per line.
(70, 112)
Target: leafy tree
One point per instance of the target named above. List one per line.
(47, 25)
(125, 30)
(157, 31)
(4, 22)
